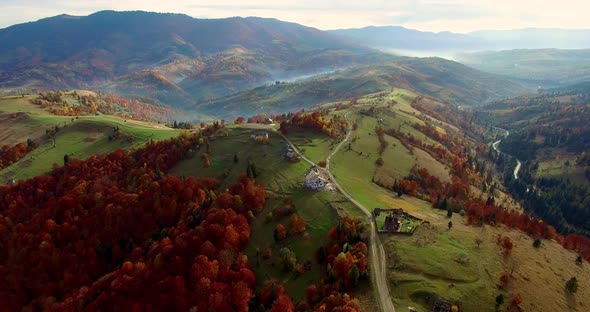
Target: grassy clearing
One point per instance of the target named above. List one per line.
(282, 179)
(408, 224)
(79, 138)
(13, 104)
(427, 262)
(557, 168)
(315, 210)
(316, 146)
(432, 259)
(435, 261)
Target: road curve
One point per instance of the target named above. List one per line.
(379, 261)
(495, 147)
(377, 253)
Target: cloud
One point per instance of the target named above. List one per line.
(431, 15)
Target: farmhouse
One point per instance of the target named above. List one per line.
(313, 179)
(395, 220)
(263, 135)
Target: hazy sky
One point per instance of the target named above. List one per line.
(428, 15)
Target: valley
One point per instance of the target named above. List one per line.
(164, 162)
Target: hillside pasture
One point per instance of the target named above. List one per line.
(282, 180)
(449, 263)
(79, 137)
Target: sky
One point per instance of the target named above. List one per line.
(427, 15)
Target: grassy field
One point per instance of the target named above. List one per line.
(316, 146)
(449, 263)
(319, 210)
(408, 224)
(557, 168)
(78, 138)
(436, 261)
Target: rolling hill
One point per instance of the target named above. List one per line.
(447, 80)
(549, 134)
(173, 57)
(543, 67)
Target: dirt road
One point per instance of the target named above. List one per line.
(377, 256)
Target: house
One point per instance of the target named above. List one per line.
(376, 212)
(263, 135)
(290, 153)
(392, 224)
(313, 179)
(398, 211)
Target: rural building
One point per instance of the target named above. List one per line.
(264, 135)
(376, 212)
(441, 305)
(313, 179)
(290, 153)
(392, 224)
(392, 220)
(398, 211)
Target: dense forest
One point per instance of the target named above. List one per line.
(550, 127)
(116, 232)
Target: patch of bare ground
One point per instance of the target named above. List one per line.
(13, 131)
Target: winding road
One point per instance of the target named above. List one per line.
(378, 259)
(495, 147)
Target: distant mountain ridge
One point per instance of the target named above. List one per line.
(437, 77)
(142, 51)
(538, 67)
(390, 37)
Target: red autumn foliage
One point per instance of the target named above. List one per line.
(344, 251)
(507, 244)
(65, 235)
(142, 109)
(505, 279)
(280, 232)
(239, 120)
(205, 160)
(476, 211)
(515, 301)
(334, 127)
(338, 302)
(297, 224)
(274, 297)
(12, 154)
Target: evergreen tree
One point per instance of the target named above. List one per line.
(254, 172)
(354, 275)
(572, 285)
(445, 204)
(499, 301)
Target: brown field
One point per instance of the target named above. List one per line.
(12, 130)
(433, 166)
